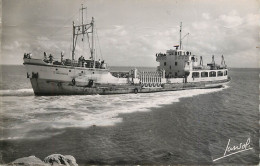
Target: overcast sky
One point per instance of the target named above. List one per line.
(131, 32)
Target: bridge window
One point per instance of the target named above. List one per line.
(212, 74)
(176, 74)
(204, 74)
(176, 63)
(225, 72)
(195, 74)
(220, 73)
(164, 63)
(175, 53)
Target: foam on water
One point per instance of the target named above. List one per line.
(18, 92)
(58, 112)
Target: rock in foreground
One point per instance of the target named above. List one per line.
(28, 161)
(52, 160)
(58, 159)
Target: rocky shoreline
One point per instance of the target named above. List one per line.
(51, 160)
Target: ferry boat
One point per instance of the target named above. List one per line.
(178, 70)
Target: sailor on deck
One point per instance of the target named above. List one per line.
(99, 63)
(50, 58)
(61, 57)
(45, 57)
(81, 61)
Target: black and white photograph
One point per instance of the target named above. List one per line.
(129, 82)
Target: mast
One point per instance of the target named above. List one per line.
(82, 13)
(92, 44)
(83, 29)
(82, 18)
(180, 35)
(73, 40)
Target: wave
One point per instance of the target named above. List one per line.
(59, 112)
(36, 136)
(17, 92)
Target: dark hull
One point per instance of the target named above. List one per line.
(50, 87)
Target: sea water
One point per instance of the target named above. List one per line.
(177, 127)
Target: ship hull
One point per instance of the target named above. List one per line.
(48, 79)
(45, 87)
